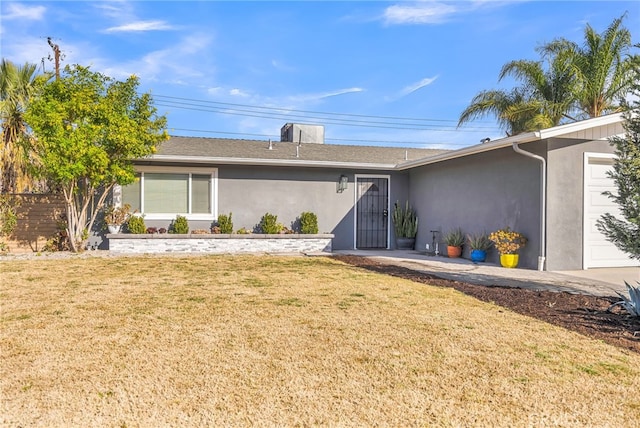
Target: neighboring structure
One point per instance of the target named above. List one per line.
(352, 188)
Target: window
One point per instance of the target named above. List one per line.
(161, 193)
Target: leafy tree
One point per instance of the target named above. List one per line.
(625, 233)
(88, 128)
(16, 87)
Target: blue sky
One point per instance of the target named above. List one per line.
(401, 71)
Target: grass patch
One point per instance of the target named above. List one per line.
(285, 341)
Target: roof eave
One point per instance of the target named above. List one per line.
(268, 162)
(471, 150)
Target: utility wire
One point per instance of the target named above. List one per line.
(290, 114)
(329, 121)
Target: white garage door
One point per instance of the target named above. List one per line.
(598, 251)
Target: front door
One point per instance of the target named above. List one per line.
(372, 212)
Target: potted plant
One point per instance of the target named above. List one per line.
(479, 245)
(115, 217)
(454, 240)
(405, 226)
(508, 243)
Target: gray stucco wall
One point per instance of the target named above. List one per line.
(565, 201)
(250, 192)
(481, 193)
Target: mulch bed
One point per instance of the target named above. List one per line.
(584, 314)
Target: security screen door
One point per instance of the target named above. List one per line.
(372, 212)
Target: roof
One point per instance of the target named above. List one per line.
(596, 128)
(259, 152)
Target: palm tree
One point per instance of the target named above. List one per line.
(16, 87)
(508, 107)
(602, 67)
(543, 100)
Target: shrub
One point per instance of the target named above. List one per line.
(507, 241)
(8, 219)
(269, 224)
(136, 225)
(116, 216)
(224, 223)
(179, 226)
(308, 223)
(631, 304)
(479, 242)
(243, 231)
(454, 238)
(405, 221)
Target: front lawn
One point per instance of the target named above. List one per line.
(262, 341)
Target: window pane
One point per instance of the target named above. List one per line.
(165, 193)
(201, 194)
(131, 194)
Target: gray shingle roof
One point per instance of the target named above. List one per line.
(221, 148)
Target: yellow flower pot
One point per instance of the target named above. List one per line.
(509, 260)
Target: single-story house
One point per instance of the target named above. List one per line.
(547, 185)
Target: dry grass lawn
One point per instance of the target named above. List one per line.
(285, 341)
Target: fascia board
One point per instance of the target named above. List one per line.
(570, 128)
(472, 150)
(270, 162)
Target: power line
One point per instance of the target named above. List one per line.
(290, 115)
(192, 100)
(329, 121)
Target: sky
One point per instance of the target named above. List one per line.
(371, 72)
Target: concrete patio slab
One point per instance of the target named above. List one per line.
(598, 282)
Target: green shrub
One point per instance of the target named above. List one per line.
(136, 225)
(454, 238)
(405, 221)
(179, 226)
(269, 224)
(308, 223)
(224, 223)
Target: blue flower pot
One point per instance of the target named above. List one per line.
(478, 256)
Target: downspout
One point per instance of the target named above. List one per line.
(543, 203)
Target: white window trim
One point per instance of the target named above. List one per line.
(213, 172)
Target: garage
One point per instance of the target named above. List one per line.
(598, 251)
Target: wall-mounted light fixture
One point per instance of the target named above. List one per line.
(342, 183)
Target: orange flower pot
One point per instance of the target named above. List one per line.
(454, 252)
(509, 260)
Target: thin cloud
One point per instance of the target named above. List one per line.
(427, 13)
(140, 26)
(238, 93)
(339, 92)
(20, 11)
(437, 12)
(418, 85)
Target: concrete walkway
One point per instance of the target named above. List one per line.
(598, 282)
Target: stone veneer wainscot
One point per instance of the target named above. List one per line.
(219, 243)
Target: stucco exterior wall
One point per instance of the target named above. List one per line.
(481, 193)
(250, 192)
(565, 201)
